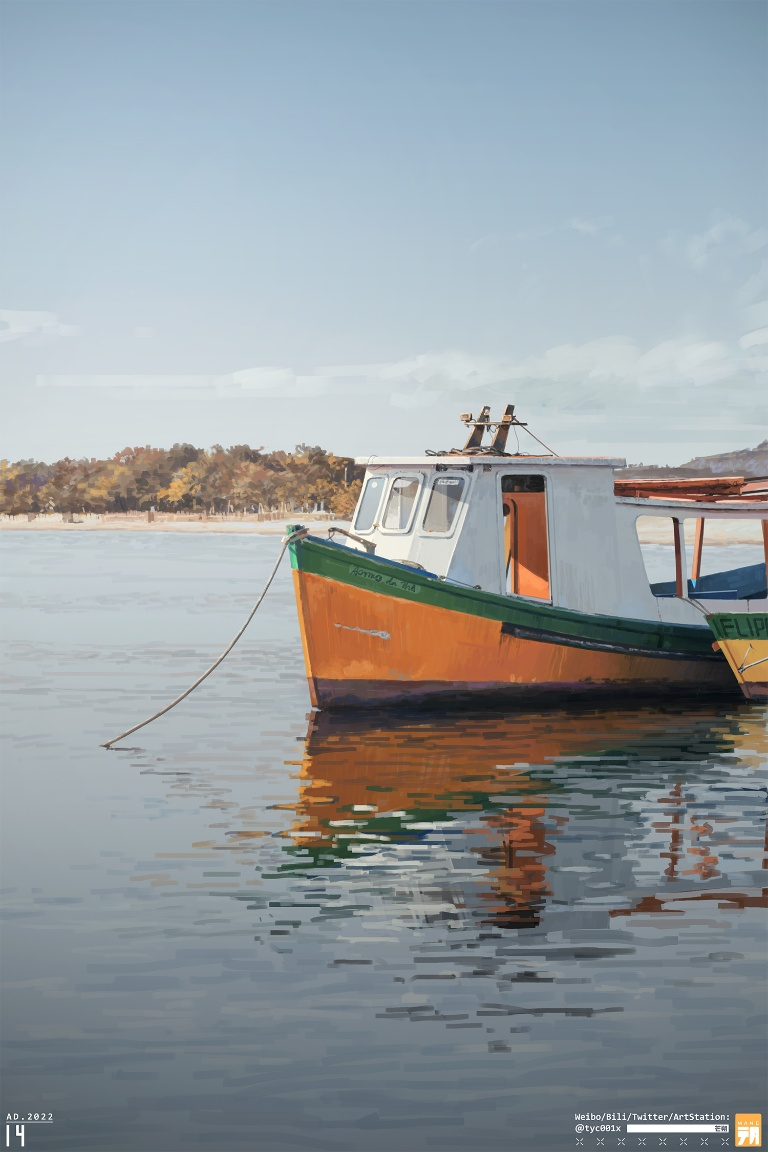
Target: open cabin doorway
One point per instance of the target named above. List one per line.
(526, 543)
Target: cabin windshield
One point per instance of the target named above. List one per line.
(526, 544)
(369, 503)
(401, 503)
(444, 502)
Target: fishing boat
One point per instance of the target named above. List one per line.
(477, 572)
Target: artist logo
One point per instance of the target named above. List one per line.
(749, 1130)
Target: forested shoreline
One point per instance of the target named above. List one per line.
(184, 478)
(237, 479)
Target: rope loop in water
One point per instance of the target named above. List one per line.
(297, 534)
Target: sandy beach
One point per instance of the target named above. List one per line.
(164, 522)
(717, 532)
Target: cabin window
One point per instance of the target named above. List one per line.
(369, 503)
(444, 502)
(707, 558)
(526, 542)
(401, 503)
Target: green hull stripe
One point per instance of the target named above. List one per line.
(361, 570)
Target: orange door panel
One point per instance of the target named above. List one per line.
(525, 543)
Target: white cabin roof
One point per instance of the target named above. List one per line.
(493, 461)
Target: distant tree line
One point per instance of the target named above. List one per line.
(236, 479)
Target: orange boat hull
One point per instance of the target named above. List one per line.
(365, 647)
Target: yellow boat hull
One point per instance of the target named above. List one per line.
(743, 639)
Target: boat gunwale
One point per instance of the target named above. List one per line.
(728, 507)
(661, 637)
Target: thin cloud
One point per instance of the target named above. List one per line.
(756, 315)
(601, 227)
(499, 239)
(19, 325)
(733, 235)
(104, 380)
(754, 339)
(754, 286)
(590, 227)
(726, 239)
(608, 366)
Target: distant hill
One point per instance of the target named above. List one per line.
(745, 462)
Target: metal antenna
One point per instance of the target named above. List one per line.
(500, 430)
(479, 427)
(499, 441)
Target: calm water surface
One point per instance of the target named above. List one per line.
(259, 928)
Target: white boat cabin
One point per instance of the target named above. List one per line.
(544, 528)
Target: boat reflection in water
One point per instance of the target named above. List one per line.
(508, 819)
(576, 894)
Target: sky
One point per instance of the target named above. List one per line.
(345, 223)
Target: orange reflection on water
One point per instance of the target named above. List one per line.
(386, 778)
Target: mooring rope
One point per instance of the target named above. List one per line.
(297, 535)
